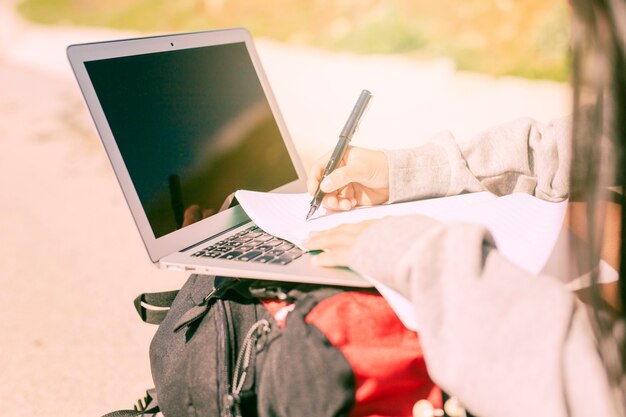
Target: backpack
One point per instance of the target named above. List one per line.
(233, 347)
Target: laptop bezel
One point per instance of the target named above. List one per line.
(178, 240)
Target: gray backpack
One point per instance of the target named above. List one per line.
(219, 352)
(211, 354)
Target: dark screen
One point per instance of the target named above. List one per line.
(193, 126)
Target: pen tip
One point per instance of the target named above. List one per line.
(311, 211)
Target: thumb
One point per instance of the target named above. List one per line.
(339, 178)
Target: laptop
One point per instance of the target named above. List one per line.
(186, 120)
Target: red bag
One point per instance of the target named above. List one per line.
(386, 358)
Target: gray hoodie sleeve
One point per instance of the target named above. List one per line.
(521, 156)
(505, 342)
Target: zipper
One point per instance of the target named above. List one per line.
(223, 356)
(252, 342)
(248, 348)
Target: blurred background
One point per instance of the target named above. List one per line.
(496, 37)
(70, 341)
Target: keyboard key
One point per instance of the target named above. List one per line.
(249, 256)
(263, 259)
(231, 255)
(292, 254)
(252, 244)
(243, 239)
(282, 261)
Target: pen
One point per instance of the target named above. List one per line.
(342, 145)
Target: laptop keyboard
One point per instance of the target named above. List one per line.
(253, 245)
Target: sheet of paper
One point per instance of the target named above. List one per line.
(283, 215)
(524, 228)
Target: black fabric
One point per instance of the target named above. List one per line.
(303, 374)
(133, 413)
(170, 358)
(192, 367)
(294, 371)
(145, 407)
(153, 307)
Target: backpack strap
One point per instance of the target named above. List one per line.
(146, 406)
(308, 300)
(293, 291)
(153, 307)
(133, 413)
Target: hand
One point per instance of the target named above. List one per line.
(195, 213)
(336, 243)
(362, 178)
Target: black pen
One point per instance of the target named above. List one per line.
(342, 145)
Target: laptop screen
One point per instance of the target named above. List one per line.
(193, 126)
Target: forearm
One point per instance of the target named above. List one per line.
(521, 156)
(493, 335)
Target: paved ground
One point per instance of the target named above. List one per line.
(70, 342)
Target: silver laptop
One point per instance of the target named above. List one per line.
(186, 120)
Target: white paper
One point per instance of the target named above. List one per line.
(524, 228)
(284, 215)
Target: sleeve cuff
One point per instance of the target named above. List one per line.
(435, 169)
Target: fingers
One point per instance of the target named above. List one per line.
(315, 174)
(336, 244)
(362, 178)
(342, 199)
(346, 204)
(192, 214)
(339, 178)
(338, 202)
(333, 238)
(331, 258)
(195, 213)
(312, 182)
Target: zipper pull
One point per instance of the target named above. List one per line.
(199, 311)
(191, 315)
(231, 408)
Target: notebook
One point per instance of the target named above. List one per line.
(186, 120)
